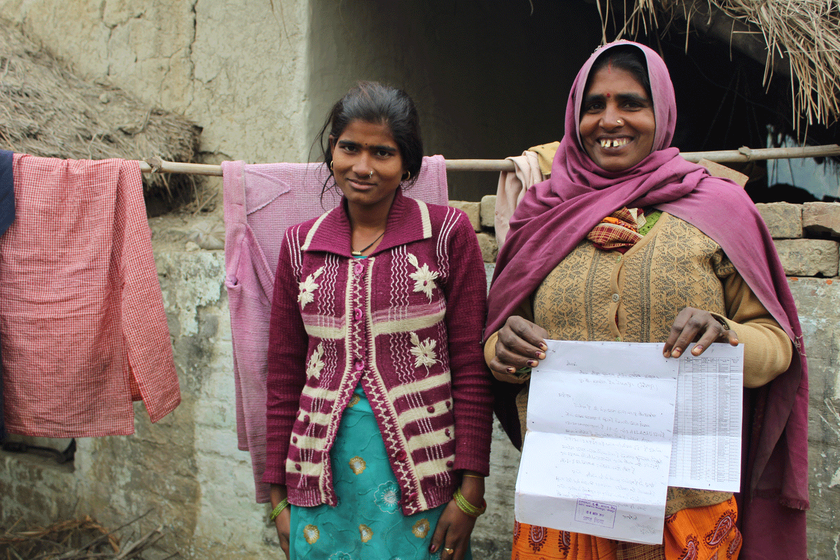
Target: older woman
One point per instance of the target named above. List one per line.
(628, 241)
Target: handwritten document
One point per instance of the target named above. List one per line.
(598, 452)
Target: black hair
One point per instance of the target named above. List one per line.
(624, 57)
(376, 103)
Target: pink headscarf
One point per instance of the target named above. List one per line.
(556, 215)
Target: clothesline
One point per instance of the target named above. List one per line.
(157, 165)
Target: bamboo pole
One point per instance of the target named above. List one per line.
(157, 165)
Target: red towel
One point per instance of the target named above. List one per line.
(82, 324)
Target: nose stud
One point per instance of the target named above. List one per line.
(370, 174)
(619, 122)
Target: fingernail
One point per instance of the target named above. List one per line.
(540, 355)
(533, 363)
(675, 353)
(510, 370)
(697, 350)
(433, 548)
(543, 346)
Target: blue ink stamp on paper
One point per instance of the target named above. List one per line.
(595, 513)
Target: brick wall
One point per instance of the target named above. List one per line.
(805, 234)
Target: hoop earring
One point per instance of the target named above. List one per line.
(331, 163)
(408, 176)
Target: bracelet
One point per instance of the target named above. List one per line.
(465, 475)
(284, 503)
(467, 507)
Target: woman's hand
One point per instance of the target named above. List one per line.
(695, 324)
(520, 344)
(453, 530)
(283, 525)
(283, 521)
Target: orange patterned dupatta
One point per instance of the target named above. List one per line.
(702, 533)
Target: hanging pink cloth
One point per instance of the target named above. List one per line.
(84, 332)
(260, 202)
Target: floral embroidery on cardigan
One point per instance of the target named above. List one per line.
(307, 288)
(424, 352)
(316, 363)
(424, 279)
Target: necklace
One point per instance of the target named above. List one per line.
(359, 253)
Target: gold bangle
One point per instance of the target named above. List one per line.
(465, 506)
(466, 475)
(284, 503)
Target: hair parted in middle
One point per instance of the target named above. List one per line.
(373, 102)
(627, 58)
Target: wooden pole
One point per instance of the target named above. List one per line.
(157, 165)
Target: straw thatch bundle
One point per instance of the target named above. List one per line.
(799, 37)
(47, 111)
(76, 539)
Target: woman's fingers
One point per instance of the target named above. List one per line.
(452, 533)
(529, 332)
(283, 524)
(696, 325)
(520, 344)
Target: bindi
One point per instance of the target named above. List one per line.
(607, 95)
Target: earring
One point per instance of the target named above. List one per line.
(408, 176)
(331, 166)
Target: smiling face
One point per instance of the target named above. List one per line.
(367, 166)
(617, 124)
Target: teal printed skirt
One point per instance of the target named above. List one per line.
(367, 523)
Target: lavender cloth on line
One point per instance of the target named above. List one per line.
(260, 202)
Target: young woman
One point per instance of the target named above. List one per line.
(379, 404)
(629, 241)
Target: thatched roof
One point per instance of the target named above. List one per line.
(45, 110)
(797, 38)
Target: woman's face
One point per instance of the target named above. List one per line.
(367, 164)
(617, 123)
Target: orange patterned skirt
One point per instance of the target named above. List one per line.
(702, 533)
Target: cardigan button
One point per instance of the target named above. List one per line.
(357, 314)
(401, 455)
(359, 365)
(446, 431)
(359, 268)
(411, 497)
(306, 419)
(297, 466)
(430, 409)
(294, 438)
(448, 404)
(616, 297)
(450, 464)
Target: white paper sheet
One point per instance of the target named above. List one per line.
(597, 457)
(607, 409)
(707, 431)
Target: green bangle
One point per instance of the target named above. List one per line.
(284, 503)
(465, 506)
